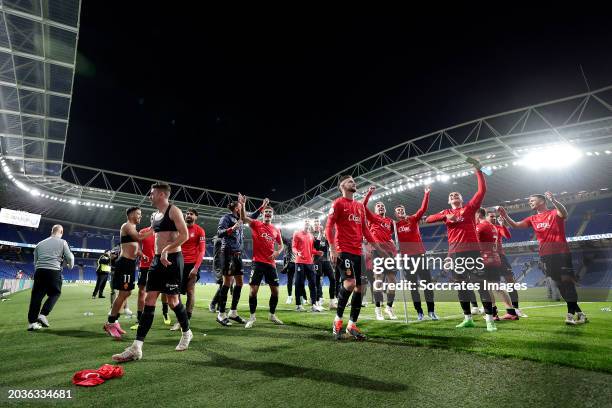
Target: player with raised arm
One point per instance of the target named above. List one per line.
(464, 248)
(411, 244)
(264, 235)
(346, 227)
(381, 228)
(549, 227)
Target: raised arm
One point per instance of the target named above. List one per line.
(243, 216)
(369, 214)
(254, 215)
(476, 201)
(441, 216)
(521, 224)
(424, 204)
(561, 210)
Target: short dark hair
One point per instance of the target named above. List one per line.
(194, 211)
(342, 178)
(232, 205)
(165, 187)
(540, 196)
(131, 210)
(481, 212)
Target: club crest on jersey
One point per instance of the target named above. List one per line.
(355, 218)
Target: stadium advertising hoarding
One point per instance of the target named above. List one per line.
(22, 218)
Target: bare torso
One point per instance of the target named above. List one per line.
(163, 238)
(129, 250)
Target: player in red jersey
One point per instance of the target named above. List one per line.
(490, 242)
(411, 244)
(265, 235)
(346, 227)
(464, 248)
(549, 227)
(506, 271)
(193, 253)
(381, 228)
(303, 247)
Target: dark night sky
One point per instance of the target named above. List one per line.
(262, 106)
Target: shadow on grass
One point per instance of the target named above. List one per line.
(71, 333)
(278, 370)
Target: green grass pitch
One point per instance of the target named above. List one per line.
(537, 361)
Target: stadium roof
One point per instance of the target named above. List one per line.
(38, 42)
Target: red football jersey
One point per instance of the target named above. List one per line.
(264, 236)
(550, 232)
(380, 227)
(195, 246)
(303, 247)
(348, 216)
(503, 232)
(148, 249)
(462, 232)
(408, 233)
(489, 243)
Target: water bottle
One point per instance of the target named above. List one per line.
(88, 314)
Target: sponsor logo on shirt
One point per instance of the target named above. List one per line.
(403, 229)
(385, 225)
(267, 236)
(355, 218)
(542, 225)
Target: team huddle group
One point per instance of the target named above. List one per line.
(172, 248)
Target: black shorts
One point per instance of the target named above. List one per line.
(124, 276)
(166, 279)
(469, 272)
(506, 267)
(289, 268)
(349, 267)
(142, 277)
(186, 271)
(494, 273)
(558, 265)
(262, 270)
(231, 262)
(324, 268)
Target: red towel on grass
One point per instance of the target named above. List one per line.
(91, 378)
